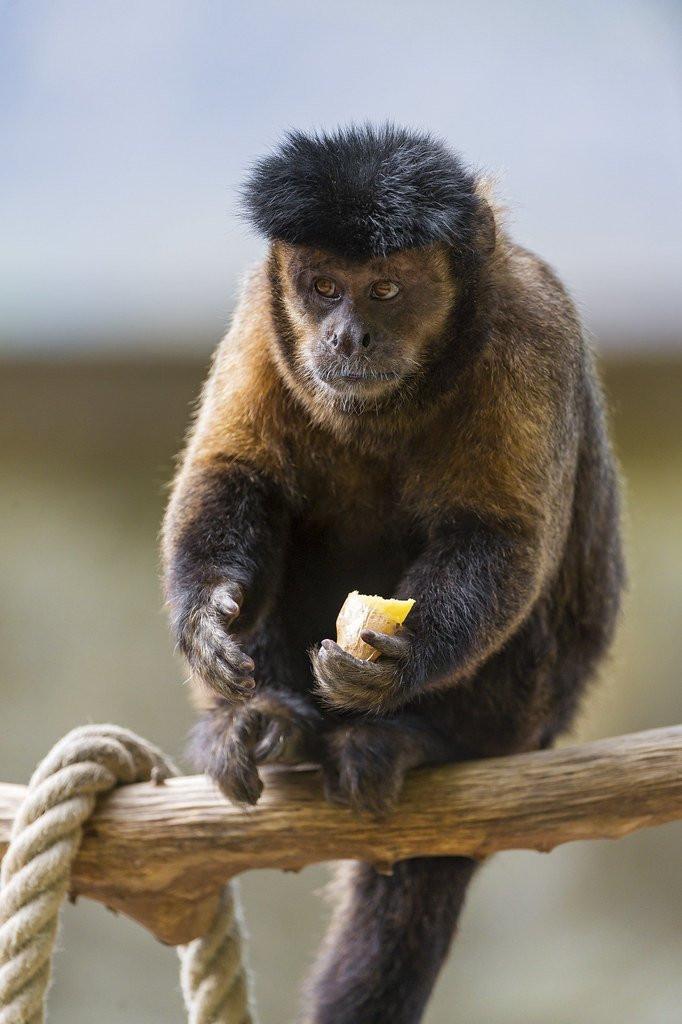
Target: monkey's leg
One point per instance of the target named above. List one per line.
(387, 942)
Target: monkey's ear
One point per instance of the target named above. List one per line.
(485, 231)
(470, 254)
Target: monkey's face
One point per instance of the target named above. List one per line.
(362, 330)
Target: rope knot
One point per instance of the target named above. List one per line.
(36, 872)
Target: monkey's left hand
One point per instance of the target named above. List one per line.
(354, 685)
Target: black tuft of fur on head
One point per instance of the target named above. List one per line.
(364, 191)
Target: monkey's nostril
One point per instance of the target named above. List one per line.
(366, 340)
(334, 340)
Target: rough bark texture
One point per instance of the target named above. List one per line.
(160, 853)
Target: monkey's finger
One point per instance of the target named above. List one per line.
(235, 659)
(339, 664)
(363, 688)
(330, 651)
(227, 609)
(236, 690)
(241, 784)
(227, 683)
(227, 599)
(218, 677)
(334, 792)
(247, 726)
(390, 646)
(271, 744)
(331, 647)
(352, 697)
(367, 788)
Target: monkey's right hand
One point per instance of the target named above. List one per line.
(213, 653)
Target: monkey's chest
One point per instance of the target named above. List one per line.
(349, 539)
(356, 501)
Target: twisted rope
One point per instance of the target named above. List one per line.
(36, 873)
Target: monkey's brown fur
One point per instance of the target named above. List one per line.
(482, 485)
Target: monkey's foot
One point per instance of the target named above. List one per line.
(364, 766)
(230, 742)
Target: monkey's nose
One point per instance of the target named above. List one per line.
(350, 342)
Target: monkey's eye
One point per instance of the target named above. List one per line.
(326, 287)
(384, 290)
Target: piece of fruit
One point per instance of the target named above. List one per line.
(367, 611)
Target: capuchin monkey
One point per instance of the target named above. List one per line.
(404, 405)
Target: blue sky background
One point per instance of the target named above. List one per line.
(126, 127)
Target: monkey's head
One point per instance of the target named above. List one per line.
(375, 233)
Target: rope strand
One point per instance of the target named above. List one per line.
(36, 872)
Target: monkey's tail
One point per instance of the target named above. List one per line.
(387, 942)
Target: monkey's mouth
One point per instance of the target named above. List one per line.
(344, 380)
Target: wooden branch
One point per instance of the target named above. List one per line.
(161, 853)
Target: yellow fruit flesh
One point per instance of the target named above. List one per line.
(396, 611)
(368, 611)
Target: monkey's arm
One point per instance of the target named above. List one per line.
(226, 523)
(223, 544)
(473, 584)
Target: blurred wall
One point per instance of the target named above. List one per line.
(125, 129)
(588, 935)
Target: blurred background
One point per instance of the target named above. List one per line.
(125, 129)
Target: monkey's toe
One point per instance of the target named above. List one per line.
(361, 772)
(241, 789)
